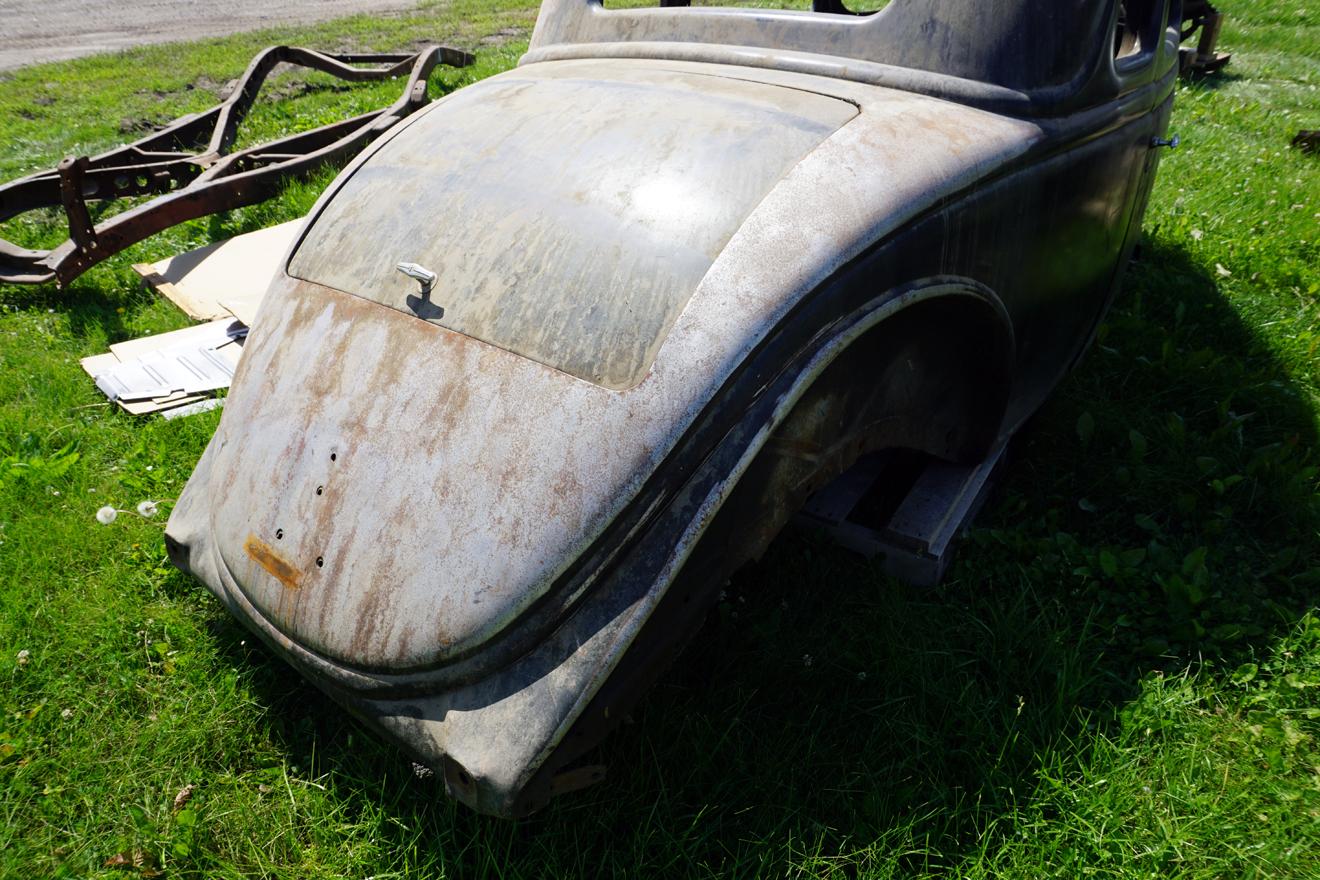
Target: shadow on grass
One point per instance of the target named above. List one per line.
(90, 306)
(1213, 81)
(1155, 515)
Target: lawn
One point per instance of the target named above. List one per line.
(1119, 678)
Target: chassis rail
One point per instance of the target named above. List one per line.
(188, 166)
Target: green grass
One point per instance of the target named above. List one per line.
(1120, 678)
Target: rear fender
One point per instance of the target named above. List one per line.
(929, 370)
(939, 353)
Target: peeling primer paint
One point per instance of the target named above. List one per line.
(616, 211)
(467, 439)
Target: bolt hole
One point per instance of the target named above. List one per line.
(320, 561)
(332, 456)
(320, 490)
(279, 534)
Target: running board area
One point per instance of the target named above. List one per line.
(904, 507)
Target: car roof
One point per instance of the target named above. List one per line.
(1026, 57)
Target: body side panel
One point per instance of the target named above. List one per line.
(455, 448)
(501, 471)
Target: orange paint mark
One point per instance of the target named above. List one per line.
(279, 567)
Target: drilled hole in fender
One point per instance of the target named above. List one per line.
(320, 490)
(279, 534)
(333, 456)
(320, 562)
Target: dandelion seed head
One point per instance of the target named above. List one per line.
(106, 515)
(147, 508)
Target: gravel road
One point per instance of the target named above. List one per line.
(52, 30)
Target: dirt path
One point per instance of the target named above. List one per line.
(52, 30)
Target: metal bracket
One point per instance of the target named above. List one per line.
(1201, 15)
(917, 537)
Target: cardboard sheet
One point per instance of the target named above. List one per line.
(225, 278)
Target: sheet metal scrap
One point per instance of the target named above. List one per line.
(189, 166)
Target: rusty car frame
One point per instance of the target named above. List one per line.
(557, 354)
(191, 169)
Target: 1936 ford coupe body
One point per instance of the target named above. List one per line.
(556, 354)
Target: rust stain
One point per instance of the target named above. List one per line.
(279, 567)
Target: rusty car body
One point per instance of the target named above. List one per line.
(561, 350)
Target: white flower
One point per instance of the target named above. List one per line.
(146, 508)
(66, 714)
(106, 515)
(861, 676)
(23, 657)
(806, 660)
